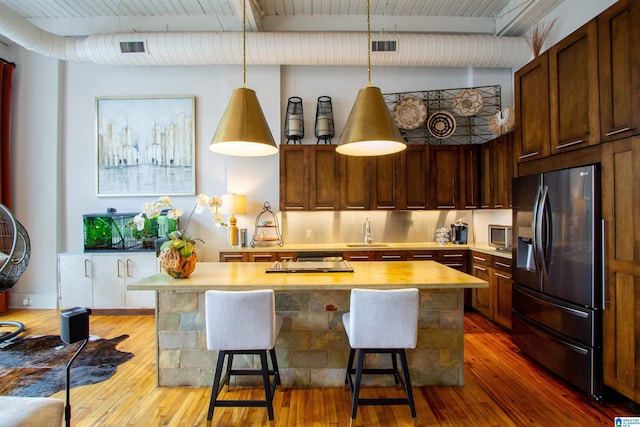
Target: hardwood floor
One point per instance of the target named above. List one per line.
(502, 388)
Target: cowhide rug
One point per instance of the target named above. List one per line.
(36, 366)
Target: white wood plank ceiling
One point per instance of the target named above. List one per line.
(86, 17)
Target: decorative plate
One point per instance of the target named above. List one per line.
(441, 124)
(409, 113)
(503, 121)
(467, 102)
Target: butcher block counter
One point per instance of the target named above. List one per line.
(312, 346)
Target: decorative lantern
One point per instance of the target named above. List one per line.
(294, 120)
(324, 120)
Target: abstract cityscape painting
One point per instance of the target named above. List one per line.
(145, 146)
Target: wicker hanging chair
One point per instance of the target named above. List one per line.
(15, 249)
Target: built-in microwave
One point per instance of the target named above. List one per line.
(500, 237)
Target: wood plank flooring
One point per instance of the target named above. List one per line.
(503, 388)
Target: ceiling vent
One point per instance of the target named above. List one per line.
(384, 45)
(132, 47)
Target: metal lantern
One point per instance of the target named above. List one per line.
(294, 120)
(324, 120)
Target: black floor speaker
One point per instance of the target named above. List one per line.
(74, 325)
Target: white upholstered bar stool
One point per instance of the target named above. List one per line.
(243, 323)
(381, 321)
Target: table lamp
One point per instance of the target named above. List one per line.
(233, 204)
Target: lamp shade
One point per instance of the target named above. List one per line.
(243, 130)
(370, 129)
(233, 204)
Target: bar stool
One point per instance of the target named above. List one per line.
(381, 321)
(242, 323)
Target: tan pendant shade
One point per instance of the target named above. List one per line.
(243, 129)
(370, 129)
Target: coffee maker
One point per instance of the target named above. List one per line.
(459, 232)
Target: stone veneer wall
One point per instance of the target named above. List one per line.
(312, 347)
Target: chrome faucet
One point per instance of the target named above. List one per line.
(368, 237)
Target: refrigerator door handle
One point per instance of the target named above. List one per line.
(545, 232)
(534, 227)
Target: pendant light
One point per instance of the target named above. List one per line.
(243, 130)
(370, 129)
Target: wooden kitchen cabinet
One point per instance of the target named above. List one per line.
(445, 179)
(481, 299)
(621, 214)
(359, 255)
(416, 177)
(387, 189)
(421, 255)
(503, 281)
(532, 109)
(573, 89)
(355, 183)
(454, 258)
(619, 61)
(100, 280)
(390, 255)
(469, 177)
(233, 257)
(496, 172)
(308, 177)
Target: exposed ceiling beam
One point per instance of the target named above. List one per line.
(254, 17)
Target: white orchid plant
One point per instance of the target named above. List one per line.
(178, 239)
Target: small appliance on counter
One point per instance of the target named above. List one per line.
(459, 232)
(500, 237)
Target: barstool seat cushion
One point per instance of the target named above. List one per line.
(30, 411)
(251, 312)
(374, 320)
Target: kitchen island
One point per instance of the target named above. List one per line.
(312, 346)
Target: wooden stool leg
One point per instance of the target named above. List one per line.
(407, 382)
(216, 384)
(267, 386)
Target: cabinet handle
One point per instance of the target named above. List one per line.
(87, 263)
(470, 206)
(479, 258)
(446, 207)
(448, 264)
(391, 257)
(568, 144)
(126, 267)
(262, 255)
(118, 267)
(614, 132)
(291, 208)
(503, 276)
(420, 256)
(604, 272)
(452, 255)
(501, 264)
(479, 268)
(535, 153)
(359, 257)
(498, 206)
(232, 256)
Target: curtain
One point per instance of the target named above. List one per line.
(6, 72)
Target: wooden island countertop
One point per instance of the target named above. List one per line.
(371, 275)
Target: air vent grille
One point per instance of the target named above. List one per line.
(384, 45)
(132, 47)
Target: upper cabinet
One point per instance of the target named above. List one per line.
(496, 172)
(573, 90)
(532, 109)
(619, 61)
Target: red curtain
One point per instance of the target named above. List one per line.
(6, 72)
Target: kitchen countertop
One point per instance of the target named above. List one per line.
(416, 246)
(370, 274)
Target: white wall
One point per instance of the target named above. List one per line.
(54, 147)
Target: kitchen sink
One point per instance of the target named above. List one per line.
(366, 245)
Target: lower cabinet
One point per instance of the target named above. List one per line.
(493, 302)
(100, 280)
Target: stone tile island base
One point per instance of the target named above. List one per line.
(312, 347)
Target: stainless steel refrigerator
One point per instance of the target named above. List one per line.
(557, 295)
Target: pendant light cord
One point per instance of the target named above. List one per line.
(244, 43)
(368, 43)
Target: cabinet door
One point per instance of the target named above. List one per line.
(294, 178)
(619, 61)
(502, 171)
(503, 289)
(481, 299)
(445, 181)
(387, 189)
(137, 267)
(421, 255)
(262, 256)
(416, 189)
(532, 106)
(390, 255)
(456, 259)
(109, 273)
(74, 272)
(486, 174)
(620, 211)
(359, 256)
(324, 172)
(234, 257)
(355, 183)
(469, 177)
(573, 81)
